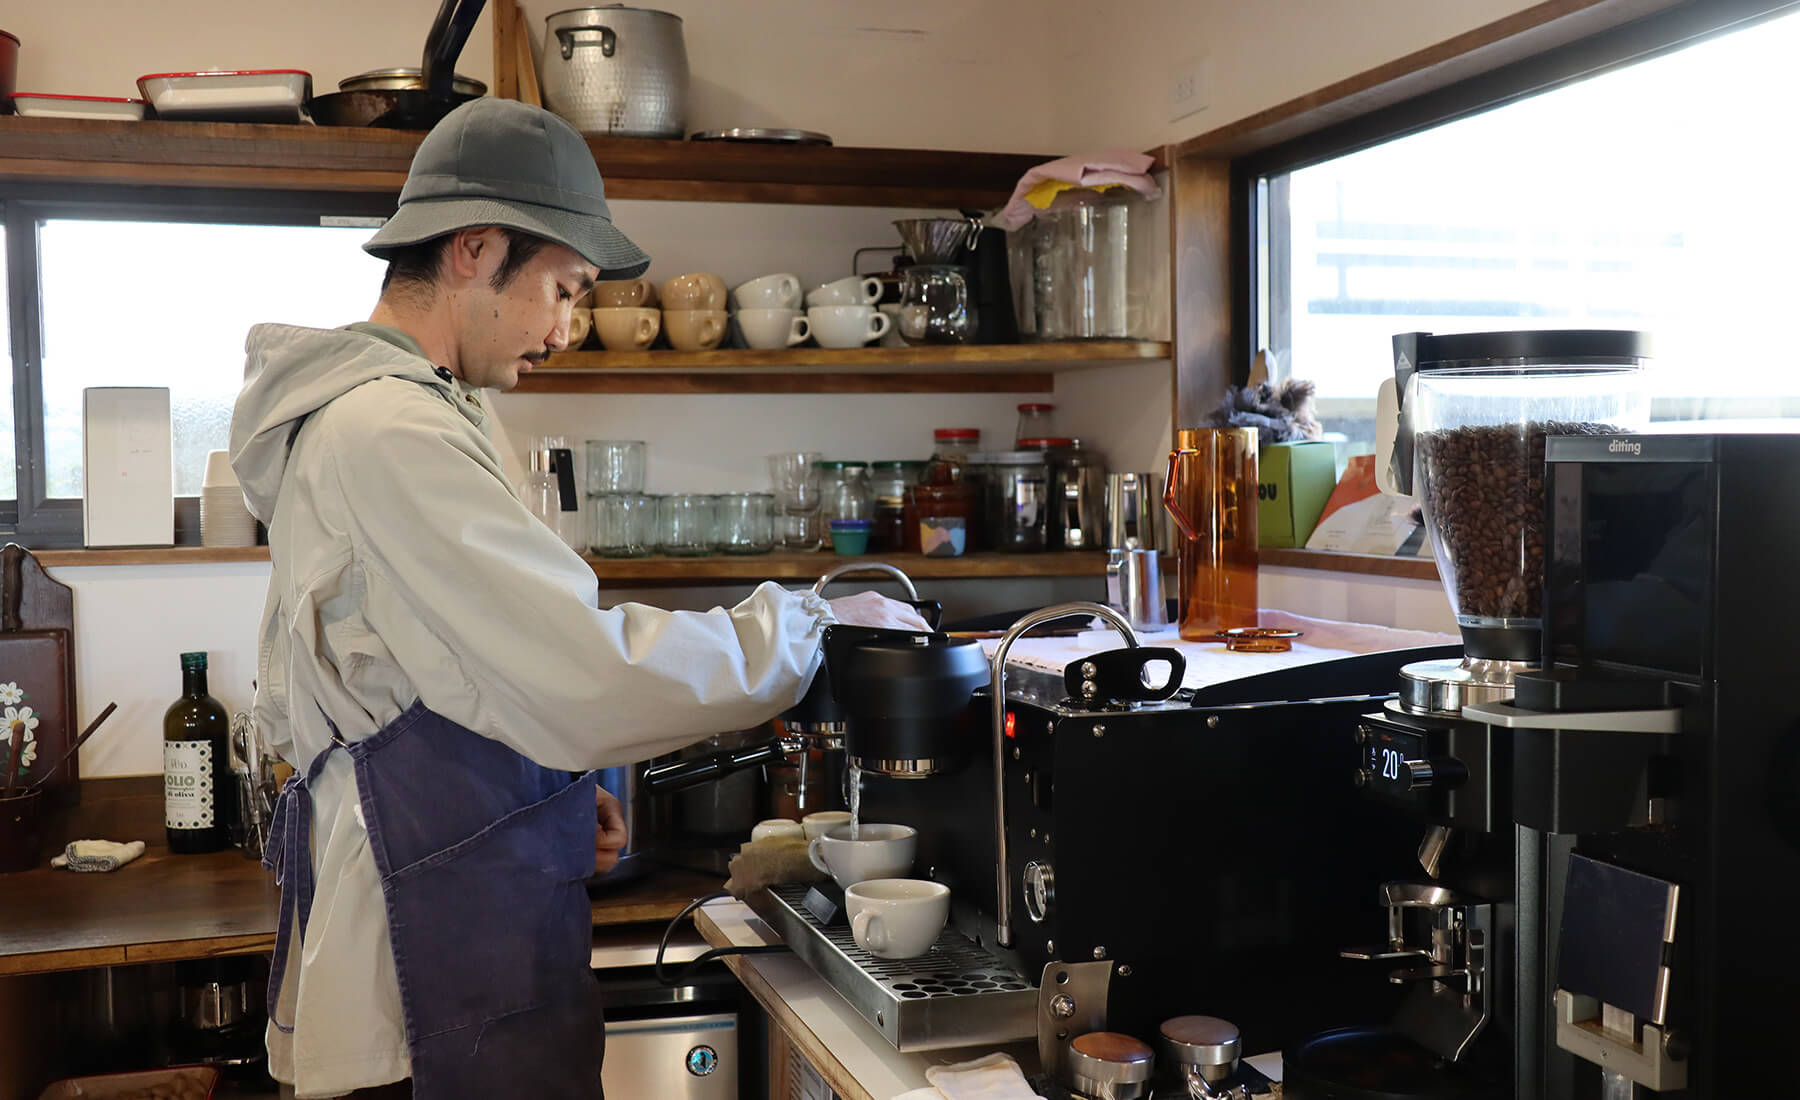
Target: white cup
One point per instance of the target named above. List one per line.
(893, 338)
(851, 290)
(768, 292)
(880, 851)
(773, 328)
(897, 918)
(817, 825)
(847, 326)
(776, 826)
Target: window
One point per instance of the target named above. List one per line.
(128, 289)
(1653, 196)
(9, 474)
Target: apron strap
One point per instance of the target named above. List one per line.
(288, 853)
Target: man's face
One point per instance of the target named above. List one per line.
(509, 331)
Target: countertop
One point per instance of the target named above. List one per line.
(853, 1058)
(163, 906)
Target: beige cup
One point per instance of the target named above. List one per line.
(623, 294)
(847, 326)
(698, 291)
(580, 321)
(897, 918)
(776, 826)
(624, 329)
(773, 328)
(817, 825)
(695, 329)
(879, 851)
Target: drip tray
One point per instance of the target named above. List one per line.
(955, 995)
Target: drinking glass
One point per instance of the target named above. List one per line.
(799, 493)
(615, 466)
(624, 524)
(746, 523)
(685, 524)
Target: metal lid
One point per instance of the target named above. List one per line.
(613, 7)
(1531, 347)
(1036, 406)
(1204, 1042)
(1007, 458)
(1111, 1058)
(1050, 442)
(956, 433)
(898, 464)
(1445, 687)
(403, 80)
(11, 35)
(765, 135)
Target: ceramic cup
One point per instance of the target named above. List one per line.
(851, 290)
(817, 825)
(698, 291)
(893, 338)
(695, 329)
(768, 292)
(623, 294)
(773, 328)
(847, 326)
(896, 918)
(880, 851)
(626, 328)
(776, 826)
(580, 320)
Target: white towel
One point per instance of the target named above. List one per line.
(995, 1077)
(98, 855)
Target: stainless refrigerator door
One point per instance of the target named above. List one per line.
(677, 1057)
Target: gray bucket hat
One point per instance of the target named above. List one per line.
(500, 162)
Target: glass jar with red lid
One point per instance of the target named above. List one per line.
(1037, 420)
(950, 449)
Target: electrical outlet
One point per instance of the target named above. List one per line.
(1187, 87)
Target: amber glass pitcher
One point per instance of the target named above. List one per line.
(1210, 492)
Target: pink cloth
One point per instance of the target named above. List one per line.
(1108, 166)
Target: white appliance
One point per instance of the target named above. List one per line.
(128, 471)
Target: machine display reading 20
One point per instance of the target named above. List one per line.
(1388, 752)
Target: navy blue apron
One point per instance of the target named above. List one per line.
(484, 858)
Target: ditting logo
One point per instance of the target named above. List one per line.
(1621, 446)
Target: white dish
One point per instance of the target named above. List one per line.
(250, 95)
(109, 108)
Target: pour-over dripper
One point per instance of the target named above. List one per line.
(935, 240)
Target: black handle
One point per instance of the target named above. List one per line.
(682, 774)
(14, 555)
(562, 461)
(449, 33)
(1117, 676)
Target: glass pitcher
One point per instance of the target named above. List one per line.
(1210, 492)
(936, 306)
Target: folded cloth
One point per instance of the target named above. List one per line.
(98, 855)
(768, 861)
(1101, 171)
(995, 1077)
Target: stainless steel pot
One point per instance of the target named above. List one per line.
(617, 71)
(9, 68)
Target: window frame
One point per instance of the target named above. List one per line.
(35, 518)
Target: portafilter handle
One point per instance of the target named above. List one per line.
(997, 685)
(912, 593)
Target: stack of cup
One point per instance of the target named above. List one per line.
(224, 518)
(798, 496)
(625, 317)
(694, 315)
(768, 312)
(842, 313)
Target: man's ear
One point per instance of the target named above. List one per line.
(474, 253)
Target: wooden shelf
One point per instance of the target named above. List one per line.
(978, 368)
(1423, 569)
(364, 159)
(787, 566)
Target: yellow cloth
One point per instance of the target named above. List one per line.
(1044, 192)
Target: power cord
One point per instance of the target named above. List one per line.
(711, 955)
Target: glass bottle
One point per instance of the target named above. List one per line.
(847, 493)
(199, 804)
(887, 484)
(549, 491)
(950, 449)
(1036, 421)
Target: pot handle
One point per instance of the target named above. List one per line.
(565, 36)
(449, 33)
(1170, 496)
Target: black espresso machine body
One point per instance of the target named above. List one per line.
(1211, 848)
(1663, 738)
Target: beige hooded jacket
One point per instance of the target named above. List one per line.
(406, 568)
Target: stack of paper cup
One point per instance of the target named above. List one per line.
(224, 518)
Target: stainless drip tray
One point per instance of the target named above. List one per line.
(957, 994)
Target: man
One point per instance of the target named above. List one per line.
(432, 659)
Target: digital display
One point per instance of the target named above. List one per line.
(1386, 751)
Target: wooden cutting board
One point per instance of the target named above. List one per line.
(37, 669)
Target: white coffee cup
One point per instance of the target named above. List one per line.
(893, 338)
(847, 326)
(768, 292)
(896, 918)
(773, 328)
(879, 851)
(776, 826)
(851, 290)
(818, 824)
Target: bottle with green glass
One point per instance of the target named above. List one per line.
(198, 800)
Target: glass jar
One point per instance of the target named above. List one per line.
(887, 484)
(623, 524)
(615, 466)
(939, 519)
(549, 491)
(746, 523)
(950, 448)
(685, 524)
(1036, 421)
(847, 491)
(1015, 498)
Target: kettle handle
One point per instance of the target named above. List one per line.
(912, 593)
(1170, 497)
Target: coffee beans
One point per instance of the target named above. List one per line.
(1483, 492)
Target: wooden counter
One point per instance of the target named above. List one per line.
(163, 907)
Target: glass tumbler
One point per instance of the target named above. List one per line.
(624, 524)
(746, 523)
(685, 524)
(798, 492)
(615, 466)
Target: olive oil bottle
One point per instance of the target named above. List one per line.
(197, 796)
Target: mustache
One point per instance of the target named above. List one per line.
(536, 358)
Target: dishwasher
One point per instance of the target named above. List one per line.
(704, 1038)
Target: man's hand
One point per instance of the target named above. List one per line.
(609, 837)
(874, 609)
